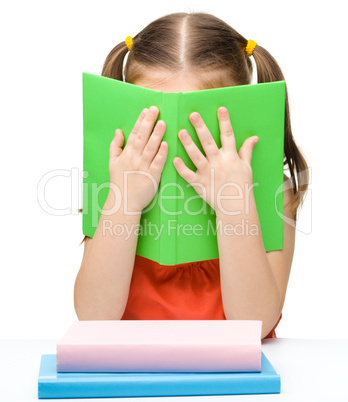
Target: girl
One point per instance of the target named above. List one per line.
(189, 52)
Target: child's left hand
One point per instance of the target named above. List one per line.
(221, 168)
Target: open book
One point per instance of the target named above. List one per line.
(178, 226)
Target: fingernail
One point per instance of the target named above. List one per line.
(223, 110)
(184, 135)
(195, 117)
(153, 110)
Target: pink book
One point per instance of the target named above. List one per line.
(161, 346)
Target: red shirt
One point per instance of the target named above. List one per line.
(189, 291)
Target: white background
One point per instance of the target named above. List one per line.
(45, 47)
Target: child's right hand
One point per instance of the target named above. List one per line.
(143, 153)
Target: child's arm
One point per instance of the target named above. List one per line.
(102, 284)
(253, 282)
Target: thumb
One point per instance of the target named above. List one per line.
(116, 144)
(246, 150)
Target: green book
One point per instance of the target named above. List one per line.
(178, 226)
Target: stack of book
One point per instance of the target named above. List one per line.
(141, 358)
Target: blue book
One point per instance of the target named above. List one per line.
(102, 385)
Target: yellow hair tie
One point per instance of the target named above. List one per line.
(129, 42)
(250, 47)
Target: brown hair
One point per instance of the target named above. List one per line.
(215, 52)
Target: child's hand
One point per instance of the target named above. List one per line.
(137, 169)
(220, 166)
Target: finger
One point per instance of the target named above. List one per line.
(228, 141)
(184, 171)
(137, 125)
(246, 150)
(206, 139)
(157, 164)
(146, 126)
(116, 144)
(154, 142)
(199, 160)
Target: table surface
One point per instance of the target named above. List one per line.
(310, 370)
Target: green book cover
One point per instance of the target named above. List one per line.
(178, 226)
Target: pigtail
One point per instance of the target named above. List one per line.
(113, 65)
(268, 70)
